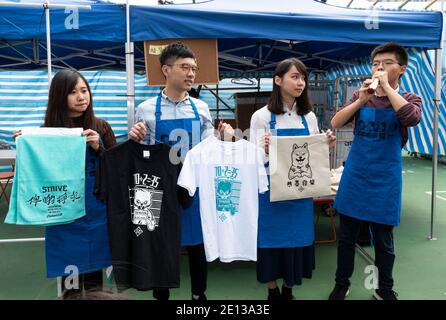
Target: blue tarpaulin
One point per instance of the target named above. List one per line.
(254, 30)
(105, 22)
(302, 20)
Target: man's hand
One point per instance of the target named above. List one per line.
(138, 131)
(364, 96)
(225, 131)
(383, 78)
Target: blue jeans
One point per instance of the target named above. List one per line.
(382, 236)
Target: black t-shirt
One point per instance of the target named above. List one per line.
(143, 215)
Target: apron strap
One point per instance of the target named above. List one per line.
(158, 108)
(158, 112)
(272, 123)
(304, 122)
(194, 108)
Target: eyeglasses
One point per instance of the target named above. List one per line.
(185, 67)
(376, 63)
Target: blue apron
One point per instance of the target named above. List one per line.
(84, 242)
(191, 232)
(285, 224)
(371, 184)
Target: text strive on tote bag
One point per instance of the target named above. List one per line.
(299, 167)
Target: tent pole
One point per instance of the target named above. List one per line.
(130, 72)
(48, 60)
(48, 41)
(437, 101)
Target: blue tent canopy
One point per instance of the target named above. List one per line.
(303, 20)
(93, 33)
(103, 23)
(253, 34)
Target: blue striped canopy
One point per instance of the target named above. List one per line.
(24, 96)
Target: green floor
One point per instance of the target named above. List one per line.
(418, 273)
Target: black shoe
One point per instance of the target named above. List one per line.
(287, 293)
(339, 293)
(161, 294)
(274, 294)
(199, 297)
(385, 295)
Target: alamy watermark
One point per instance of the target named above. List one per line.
(372, 20)
(72, 20)
(371, 282)
(72, 280)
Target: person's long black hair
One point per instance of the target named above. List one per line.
(303, 103)
(57, 112)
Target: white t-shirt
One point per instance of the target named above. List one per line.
(229, 176)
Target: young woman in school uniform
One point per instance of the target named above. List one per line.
(286, 228)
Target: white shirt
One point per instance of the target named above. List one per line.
(288, 120)
(229, 176)
(173, 110)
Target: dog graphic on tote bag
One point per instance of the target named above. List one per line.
(300, 162)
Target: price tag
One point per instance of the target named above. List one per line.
(156, 49)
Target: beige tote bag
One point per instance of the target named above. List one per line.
(299, 167)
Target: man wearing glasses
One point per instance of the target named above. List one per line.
(160, 116)
(371, 184)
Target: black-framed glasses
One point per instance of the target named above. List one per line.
(185, 67)
(389, 62)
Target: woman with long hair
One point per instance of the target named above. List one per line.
(78, 251)
(286, 228)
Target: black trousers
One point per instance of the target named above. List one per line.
(198, 269)
(382, 238)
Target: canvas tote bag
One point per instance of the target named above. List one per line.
(299, 167)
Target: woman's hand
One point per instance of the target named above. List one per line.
(265, 141)
(92, 138)
(16, 134)
(331, 137)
